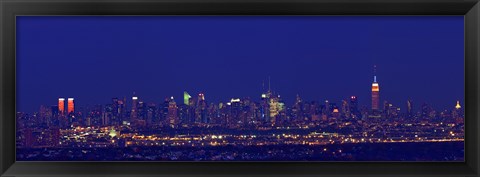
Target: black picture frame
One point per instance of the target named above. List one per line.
(11, 8)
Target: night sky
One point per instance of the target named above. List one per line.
(96, 58)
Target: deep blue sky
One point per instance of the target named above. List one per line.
(95, 58)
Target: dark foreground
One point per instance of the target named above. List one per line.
(428, 151)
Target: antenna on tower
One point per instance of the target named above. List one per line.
(263, 85)
(374, 73)
(268, 83)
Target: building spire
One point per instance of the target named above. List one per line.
(263, 85)
(374, 73)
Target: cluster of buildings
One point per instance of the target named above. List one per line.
(54, 122)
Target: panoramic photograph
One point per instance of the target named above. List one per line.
(240, 88)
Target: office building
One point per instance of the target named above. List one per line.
(71, 105)
(61, 105)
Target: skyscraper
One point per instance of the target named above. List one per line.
(264, 109)
(71, 106)
(172, 113)
(163, 110)
(265, 103)
(458, 113)
(409, 108)
(386, 106)
(201, 109)
(327, 111)
(133, 114)
(235, 111)
(345, 109)
(107, 115)
(297, 109)
(121, 110)
(43, 115)
(354, 107)
(115, 105)
(142, 110)
(55, 115)
(186, 98)
(61, 105)
(151, 113)
(276, 107)
(375, 91)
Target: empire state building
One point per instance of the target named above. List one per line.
(375, 91)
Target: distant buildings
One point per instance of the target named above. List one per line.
(48, 127)
(268, 111)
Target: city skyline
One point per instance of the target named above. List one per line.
(240, 88)
(316, 130)
(158, 61)
(375, 100)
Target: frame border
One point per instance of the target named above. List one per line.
(11, 8)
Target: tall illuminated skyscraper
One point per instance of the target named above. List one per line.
(273, 105)
(276, 107)
(172, 113)
(134, 114)
(186, 98)
(71, 106)
(201, 109)
(326, 109)
(235, 110)
(375, 91)
(353, 106)
(61, 105)
(265, 103)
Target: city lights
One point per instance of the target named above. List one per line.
(321, 128)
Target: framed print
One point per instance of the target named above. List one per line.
(318, 88)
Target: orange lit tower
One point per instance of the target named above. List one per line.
(375, 91)
(61, 105)
(71, 106)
